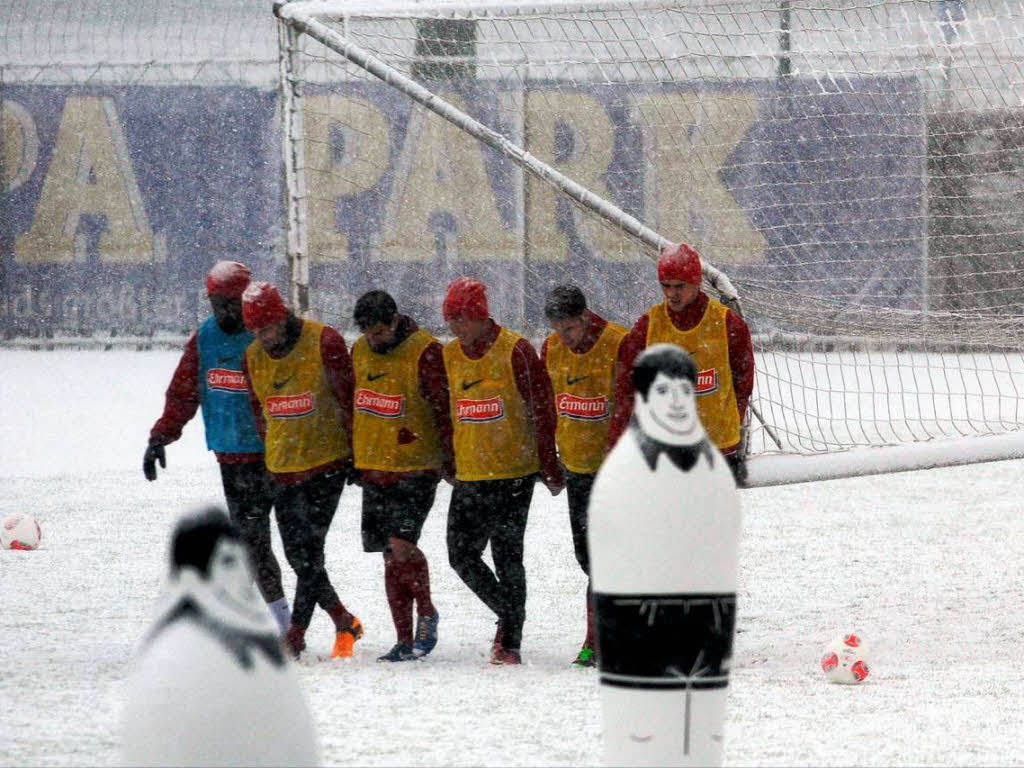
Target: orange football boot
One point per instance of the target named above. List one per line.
(345, 640)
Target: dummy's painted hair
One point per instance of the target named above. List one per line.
(196, 536)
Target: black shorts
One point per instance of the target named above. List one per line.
(396, 511)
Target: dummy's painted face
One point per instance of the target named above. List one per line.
(229, 572)
(669, 412)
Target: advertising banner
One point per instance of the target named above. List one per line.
(117, 199)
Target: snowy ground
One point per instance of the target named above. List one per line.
(926, 565)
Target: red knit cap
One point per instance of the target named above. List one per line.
(228, 279)
(679, 262)
(466, 298)
(262, 306)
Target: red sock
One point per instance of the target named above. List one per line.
(340, 616)
(295, 639)
(415, 575)
(399, 599)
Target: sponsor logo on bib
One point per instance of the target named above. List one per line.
(707, 381)
(225, 380)
(290, 406)
(477, 411)
(582, 408)
(379, 404)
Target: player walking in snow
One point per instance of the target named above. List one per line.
(716, 337)
(209, 376)
(402, 440)
(299, 376)
(504, 434)
(580, 357)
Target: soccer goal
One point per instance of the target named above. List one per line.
(851, 173)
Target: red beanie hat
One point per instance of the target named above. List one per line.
(227, 278)
(679, 262)
(466, 298)
(262, 306)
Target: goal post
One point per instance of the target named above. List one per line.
(809, 152)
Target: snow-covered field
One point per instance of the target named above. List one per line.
(927, 566)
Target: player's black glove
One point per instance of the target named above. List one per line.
(738, 466)
(154, 453)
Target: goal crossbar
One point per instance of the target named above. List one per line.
(390, 9)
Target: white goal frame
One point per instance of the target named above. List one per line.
(304, 18)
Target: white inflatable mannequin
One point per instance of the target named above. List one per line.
(211, 685)
(664, 529)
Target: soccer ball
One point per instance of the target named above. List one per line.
(845, 660)
(20, 531)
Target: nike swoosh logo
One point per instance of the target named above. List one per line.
(571, 380)
(470, 384)
(279, 384)
(375, 376)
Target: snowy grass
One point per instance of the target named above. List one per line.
(927, 566)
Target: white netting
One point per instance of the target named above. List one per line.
(854, 167)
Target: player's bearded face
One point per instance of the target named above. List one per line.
(228, 313)
(570, 330)
(272, 336)
(679, 295)
(467, 330)
(381, 335)
(668, 413)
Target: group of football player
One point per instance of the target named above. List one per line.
(293, 416)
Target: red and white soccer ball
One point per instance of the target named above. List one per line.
(20, 531)
(845, 660)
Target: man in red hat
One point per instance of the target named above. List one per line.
(503, 418)
(716, 337)
(209, 375)
(300, 381)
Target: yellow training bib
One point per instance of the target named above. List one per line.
(393, 426)
(493, 433)
(304, 428)
(584, 386)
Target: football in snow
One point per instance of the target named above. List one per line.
(845, 660)
(20, 531)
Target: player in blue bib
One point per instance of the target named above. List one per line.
(209, 376)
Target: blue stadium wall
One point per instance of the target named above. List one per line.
(117, 199)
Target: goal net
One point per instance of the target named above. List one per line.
(854, 168)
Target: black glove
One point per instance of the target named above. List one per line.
(154, 453)
(738, 466)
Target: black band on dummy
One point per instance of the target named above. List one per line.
(665, 641)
